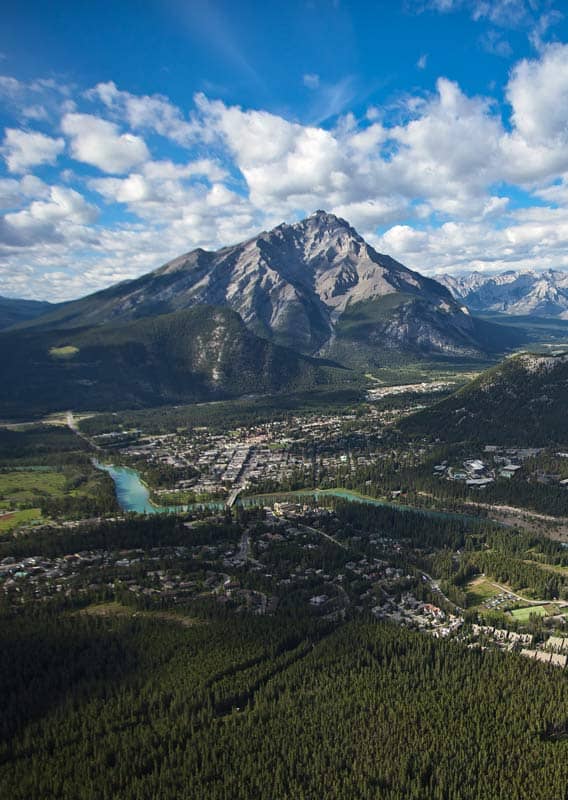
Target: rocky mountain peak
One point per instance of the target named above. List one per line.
(304, 285)
(513, 292)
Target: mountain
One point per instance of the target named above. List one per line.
(543, 294)
(203, 353)
(315, 286)
(521, 401)
(14, 311)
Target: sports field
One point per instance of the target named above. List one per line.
(523, 614)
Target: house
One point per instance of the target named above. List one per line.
(319, 600)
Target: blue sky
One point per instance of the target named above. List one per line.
(133, 132)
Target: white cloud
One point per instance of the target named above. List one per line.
(437, 176)
(98, 142)
(538, 94)
(492, 41)
(61, 218)
(25, 149)
(146, 112)
(36, 112)
(506, 13)
(422, 61)
(311, 80)
(161, 190)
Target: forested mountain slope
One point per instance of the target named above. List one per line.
(202, 353)
(522, 401)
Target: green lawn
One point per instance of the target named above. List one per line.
(523, 614)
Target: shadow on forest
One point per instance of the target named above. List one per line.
(64, 660)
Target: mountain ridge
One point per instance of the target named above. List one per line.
(292, 285)
(513, 292)
(520, 401)
(193, 355)
(15, 310)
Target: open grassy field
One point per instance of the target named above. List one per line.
(479, 590)
(23, 487)
(523, 614)
(116, 609)
(11, 520)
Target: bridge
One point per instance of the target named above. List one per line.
(233, 496)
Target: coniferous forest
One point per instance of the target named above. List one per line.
(136, 707)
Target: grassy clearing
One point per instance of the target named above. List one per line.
(112, 609)
(115, 609)
(63, 353)
(556, 568)
(12, 519)
(19, 487)
(524, 614)
(480, 590)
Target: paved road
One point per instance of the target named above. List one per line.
(435, 586)
(243, 553)
(320, 533)
(72, 425)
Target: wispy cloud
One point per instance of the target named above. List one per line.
(206, 20)
(332, 99)
(311, 80)
(536, 17)
(493, 41)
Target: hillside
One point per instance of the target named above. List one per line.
(543, 294)
(522, 401)
(307, 286)
(199, 354)
(14, 310)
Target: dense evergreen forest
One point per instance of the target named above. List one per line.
(137, 707)
(147, 362)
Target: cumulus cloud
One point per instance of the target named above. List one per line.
(161, 189)
(534, 238)
(430, 186)
(25, 149)
(146, 112)
(55, 219)
(538, 94)
(99, 142)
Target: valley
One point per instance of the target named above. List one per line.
(206, 508)
(283, 395)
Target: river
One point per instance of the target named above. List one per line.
(133, 495)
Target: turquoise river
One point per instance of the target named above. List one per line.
(134, 496)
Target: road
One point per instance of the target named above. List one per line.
(435, 586)
(233, 496)
(320, 533)
(243, 552)
(507, 590)
(72, 425)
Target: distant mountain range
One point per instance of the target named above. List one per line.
(14, 311)
(543, 294)
(315, 286)
(521, 401)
